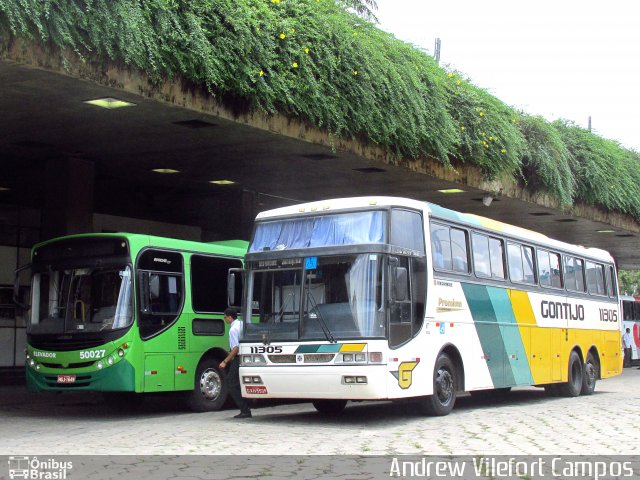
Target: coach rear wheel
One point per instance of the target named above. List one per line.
(444, 388)
(329, 407)
(589, 375)
(573, 387)
(210, 389)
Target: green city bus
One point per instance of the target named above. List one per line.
(128, 314)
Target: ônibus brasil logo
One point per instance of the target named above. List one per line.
(33, 468)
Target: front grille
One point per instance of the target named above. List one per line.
(71, 365)
(318, 357)
(282, 358)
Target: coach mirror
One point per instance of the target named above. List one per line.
(234, 287)
(399, 276)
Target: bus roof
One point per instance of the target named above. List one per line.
(235, 248)
(471, 220)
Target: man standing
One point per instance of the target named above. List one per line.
(233, 361)
(626, 344)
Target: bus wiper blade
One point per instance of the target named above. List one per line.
(320, 318)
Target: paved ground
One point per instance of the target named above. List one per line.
(527, 422)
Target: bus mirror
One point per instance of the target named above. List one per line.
(16, 288)
(234, 287)
(401, 284)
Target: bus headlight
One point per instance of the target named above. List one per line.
(37, 366)
(110, 360)
(99, 365)
(252, 360)
(120, 352)
(32, 363)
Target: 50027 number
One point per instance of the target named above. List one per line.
(92, 354)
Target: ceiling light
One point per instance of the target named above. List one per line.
(451, 190)
(4, 189)
(222, 182)
(165, 170)
(109, 103)
(605, 231)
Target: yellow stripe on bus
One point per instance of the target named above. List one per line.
(352, 347)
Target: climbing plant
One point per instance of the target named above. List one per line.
(324, 63)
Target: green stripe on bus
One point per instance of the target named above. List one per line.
(484, 318)
(519, 373)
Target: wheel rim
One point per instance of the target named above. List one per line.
(590, 374)
(210, 384)
(444, 386)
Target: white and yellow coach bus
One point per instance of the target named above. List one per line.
(387, 298)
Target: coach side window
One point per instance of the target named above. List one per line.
(521, 267)
(488, 256)
(549, 269)
(449, 248)
(611, 285)
(595, 278)
(574, 274)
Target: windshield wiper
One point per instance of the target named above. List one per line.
(319, 317)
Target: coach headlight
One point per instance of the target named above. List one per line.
(252, 360)
(32, 363)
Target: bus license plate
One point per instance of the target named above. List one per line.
(66, 378)
(256, 389)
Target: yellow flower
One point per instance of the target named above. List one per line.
(294, 64)
(504, 150)
(450, 75)
(482, 114)
(306, 50)
(458, 82)
(462, 129)
(275, 1)
(484, 143)
(293, 30)
(490, 138)
(282, 36)
(261, 73)
(355, 72)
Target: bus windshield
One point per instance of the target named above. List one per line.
(81, 300)
(332, 298)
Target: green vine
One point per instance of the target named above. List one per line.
(316, 61)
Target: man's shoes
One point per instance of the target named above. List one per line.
(243, 415)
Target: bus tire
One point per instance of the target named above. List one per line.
(123, 401)
(329, 407)
(589, 375)
(444, 388)
(573, 387)
(210, 390)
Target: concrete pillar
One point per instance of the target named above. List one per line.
(68, 197)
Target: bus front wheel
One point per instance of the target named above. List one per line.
(573, 387)
(210, 389)
(444, 388)
(329, 407)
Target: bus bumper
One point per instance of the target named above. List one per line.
(366, 382)
(117, 378)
